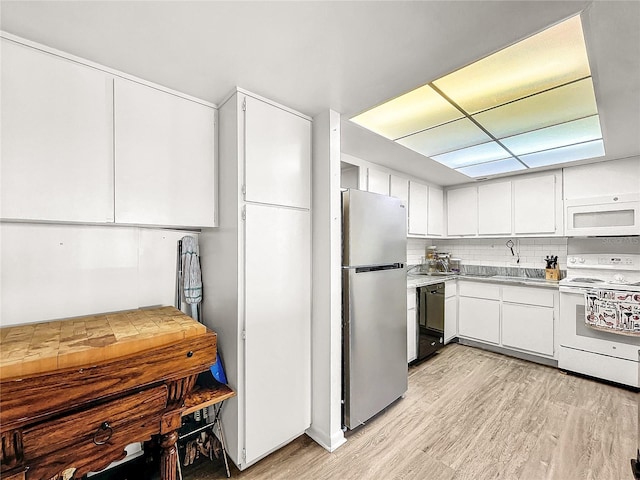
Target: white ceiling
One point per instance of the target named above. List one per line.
(342, 55)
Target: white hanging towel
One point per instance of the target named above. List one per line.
(192, 277)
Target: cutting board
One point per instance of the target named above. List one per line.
(39, 348)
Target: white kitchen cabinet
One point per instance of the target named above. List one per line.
(277, 156)
(378, 181)
(479, 311)
(57, 150)
(412, 324)
(277, 346)
(528, 318)
(435, 212)
(257, 271)
(350, 176)
(494, 208)
(462, 211)
(417, 208)
(484, 290)
(534, 205)
(521, 318)
(530, 296)
(479, 319)
(603, 179)
(399, 188)
(528, 327)
(164, 158)
(450, 311)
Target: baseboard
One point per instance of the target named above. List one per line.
(329, 442)
(550, 362)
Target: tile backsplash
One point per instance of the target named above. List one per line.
(494, 251)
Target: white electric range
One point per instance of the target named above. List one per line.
(599, 328)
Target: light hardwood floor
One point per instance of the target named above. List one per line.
(472, 414)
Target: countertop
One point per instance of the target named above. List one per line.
(418, 280)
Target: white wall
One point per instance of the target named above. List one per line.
(51, 271)
(493, 251)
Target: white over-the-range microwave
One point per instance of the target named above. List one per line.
(603, 216)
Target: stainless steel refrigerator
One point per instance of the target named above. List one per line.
(374, 304)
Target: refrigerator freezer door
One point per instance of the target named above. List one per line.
(375, 341)
(374, 229)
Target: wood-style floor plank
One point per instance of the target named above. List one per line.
(470, 414)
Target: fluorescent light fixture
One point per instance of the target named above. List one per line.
(531, 104)
(551, 58)
(492, 168)
(444, 138)
(485, 152)
(562, 104)
(564, 154)
(569, 133)
(410, 113)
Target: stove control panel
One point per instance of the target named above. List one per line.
(604, 261)
(614, 260)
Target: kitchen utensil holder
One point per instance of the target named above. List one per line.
(552, 273)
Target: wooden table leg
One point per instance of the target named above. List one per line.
(169, 456)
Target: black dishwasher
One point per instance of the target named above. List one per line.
(430, 320)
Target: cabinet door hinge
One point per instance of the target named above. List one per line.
(244, 213)
(244, 334)
(244, 455)
(244, 191)
(244, 104)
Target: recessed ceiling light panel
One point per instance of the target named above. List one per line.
(410, 113)
(444, 138)
(485, 152)
(569, 133)
(562, 104)
(492, 168)
(529, 105)
(571, 153)
(550, 58)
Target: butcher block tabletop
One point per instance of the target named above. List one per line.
(38, 348)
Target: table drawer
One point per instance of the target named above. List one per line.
(37, 398)
(82, 427)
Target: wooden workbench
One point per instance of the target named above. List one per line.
(75, 392)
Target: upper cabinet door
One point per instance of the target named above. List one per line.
(57, 158)
(417, 209)
(494, 208)
(535, 205)
(435, 216)
(462, 211)
(399, 188)
(277, 155)
(164, 158)
(378, 182)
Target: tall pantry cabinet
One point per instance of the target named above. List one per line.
(257, 274)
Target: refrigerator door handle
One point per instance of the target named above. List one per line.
(392, 266)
